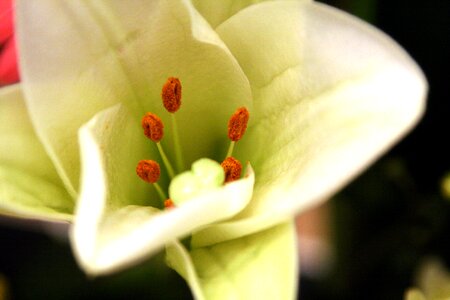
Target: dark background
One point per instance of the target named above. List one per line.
(384, 223)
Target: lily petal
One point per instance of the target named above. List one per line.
(107, 52)
(114, 225)
(29, 184)
(218, 12)
(259, 266)
(331, 95)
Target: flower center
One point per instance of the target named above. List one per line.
(205, 173)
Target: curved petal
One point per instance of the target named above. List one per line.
(29, 184)
(178, 258)
(218, 12)
(78, 58)
(331, 94)
(114, 225)
(259, 266)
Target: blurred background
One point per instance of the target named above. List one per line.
(384, 224)
(373, 235)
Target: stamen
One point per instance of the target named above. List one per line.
(232, 168)
(238, 124)
(168, 203)
(171, 94)
(153, 127)
(154, 130)
(236, 127)
(149, 171)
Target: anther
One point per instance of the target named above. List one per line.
(148, 170)
(232, 168)
(171, 94)
(153, 127)
(168, 203)
(238, 124)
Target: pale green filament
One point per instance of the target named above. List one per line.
(230, 149)
(161, 193)
(166, 161)
(176, 143)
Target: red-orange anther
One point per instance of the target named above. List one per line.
(171, 94)
(169, 204)
(153, 127)
(232, 168)
(148, 170)
(238, 124)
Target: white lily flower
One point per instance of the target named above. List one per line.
(327, 95)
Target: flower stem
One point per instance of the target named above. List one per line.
(176, 142)
(230, 149)
(165, 161)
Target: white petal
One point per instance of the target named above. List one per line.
(29, 184)
(331, 94)
(259, 266)
(217, 12)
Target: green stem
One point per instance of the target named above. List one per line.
(161, 193)
(165, 161)
(176, 143)
(230, 149)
